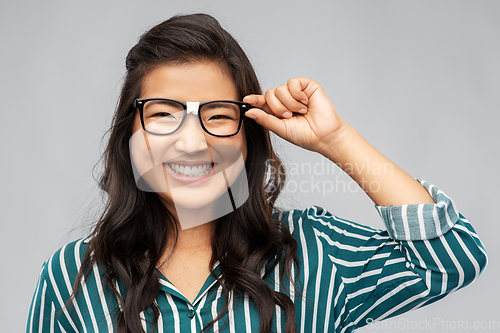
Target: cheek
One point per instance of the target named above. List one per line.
(148, 146)
(236, 144)
(244, 149)
(240, 141)
(243, 144)
(147, 154)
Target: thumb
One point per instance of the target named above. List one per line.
(257, 101)
(267, 120)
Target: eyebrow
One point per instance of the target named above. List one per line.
(162, 101)
(218, 104)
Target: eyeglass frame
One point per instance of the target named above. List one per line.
(139, 104)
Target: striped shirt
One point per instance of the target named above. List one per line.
(349, 276)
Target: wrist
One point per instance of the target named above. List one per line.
(335, 145)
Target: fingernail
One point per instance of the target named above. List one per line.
(287, 114)
(302, 111)
(303, 101)
(249, 115)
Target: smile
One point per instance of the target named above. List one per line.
(191, 171)
(194, 173)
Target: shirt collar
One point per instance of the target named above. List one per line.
(168, 287)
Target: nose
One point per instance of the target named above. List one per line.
(191, 137)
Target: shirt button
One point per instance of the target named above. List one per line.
(191, 313)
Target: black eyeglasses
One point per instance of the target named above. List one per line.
(163, 116)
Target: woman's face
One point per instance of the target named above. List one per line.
(163, 161)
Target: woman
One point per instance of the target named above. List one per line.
(186, 244)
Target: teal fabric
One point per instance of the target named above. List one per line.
(348, 275)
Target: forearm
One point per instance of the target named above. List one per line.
(384, 182)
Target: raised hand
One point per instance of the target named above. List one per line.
(299, 112)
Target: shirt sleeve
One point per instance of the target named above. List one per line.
(42, 311)
(427, 252)
(50, 309)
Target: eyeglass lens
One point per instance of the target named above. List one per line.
(165, 117)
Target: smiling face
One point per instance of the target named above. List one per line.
(189, 169)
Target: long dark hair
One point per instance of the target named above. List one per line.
(135, 222)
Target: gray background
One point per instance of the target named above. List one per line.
(416, 78)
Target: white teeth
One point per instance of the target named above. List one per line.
(194, 171)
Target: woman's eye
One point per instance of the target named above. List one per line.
(162, 114)
(219, 116)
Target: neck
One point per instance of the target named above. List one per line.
(192, 243)
(196, 238)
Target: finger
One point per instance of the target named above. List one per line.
(286, 98)
(268, 121)
(296, 88)
(257, 101)
(276, 106)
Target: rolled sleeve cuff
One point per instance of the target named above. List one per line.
(420, 221)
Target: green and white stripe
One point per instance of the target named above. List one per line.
(349, 274)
